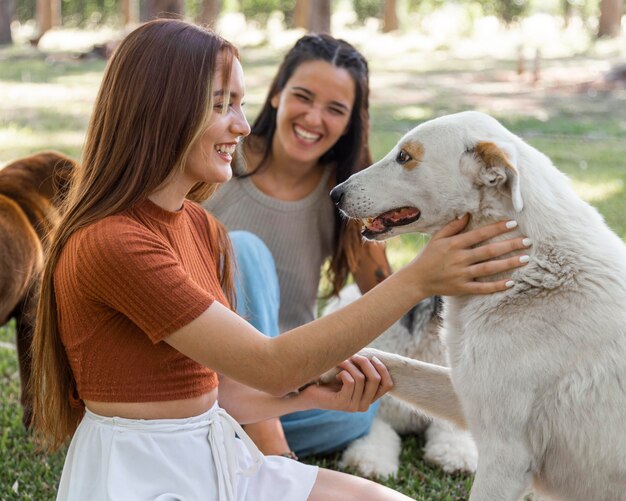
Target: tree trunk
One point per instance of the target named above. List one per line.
(210, 12)
(48, 15)
(319, 16)
(390, 19)
(301, 14)
(610, 18)
(130, 11)
(152, 9)
(7, 9)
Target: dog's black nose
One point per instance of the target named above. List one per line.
(337, 194)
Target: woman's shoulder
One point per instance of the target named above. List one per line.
(112, 227)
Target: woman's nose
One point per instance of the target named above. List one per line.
(314, 115)
(240, 125)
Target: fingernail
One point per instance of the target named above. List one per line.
(527, 242)
(461, 216)
(510, 283)
(375, 359)
(524, 259)
(511, 224)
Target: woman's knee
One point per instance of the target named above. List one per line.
(250, 249)
(256, 282)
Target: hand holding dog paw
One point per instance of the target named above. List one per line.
(358, 384)
(452, 263)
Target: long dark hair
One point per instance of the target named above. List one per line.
(153, 104)
(349, 154)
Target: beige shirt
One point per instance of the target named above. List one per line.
(299, 235)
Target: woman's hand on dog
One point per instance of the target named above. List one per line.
(452, 262)
(359, 383)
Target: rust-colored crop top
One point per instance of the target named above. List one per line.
(125, 283)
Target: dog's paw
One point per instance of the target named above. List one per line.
(376, 455)
(450, 448)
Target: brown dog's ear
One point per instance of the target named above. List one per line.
(500, 169)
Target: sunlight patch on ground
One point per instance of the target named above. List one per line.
(40, 94)
(15, 140)
(596, 192)
(412, 113)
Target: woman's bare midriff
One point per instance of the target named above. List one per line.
(169, 409)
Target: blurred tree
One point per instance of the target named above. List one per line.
(365, 9)
(210, 12)
(390, 18)
(610, 18)
(301, 13)
(151, 9)
(260, 10)
(319, 16)
(505, 10)
(130, 11)
(7, 10)
(48, 15)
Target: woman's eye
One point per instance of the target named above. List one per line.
(302, 97)
(403, 157)
(337, 111)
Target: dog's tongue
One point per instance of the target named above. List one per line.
(397, 215)
(394, 217)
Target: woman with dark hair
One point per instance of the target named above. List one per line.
(311, 134)
(135, 323)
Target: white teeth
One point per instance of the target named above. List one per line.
(227, 149)
(308, 136)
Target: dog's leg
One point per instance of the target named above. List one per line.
(423, 385)
(450, 448)
(24, 337)
(504, 472)
(377, 454)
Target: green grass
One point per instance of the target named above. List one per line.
(46, 104)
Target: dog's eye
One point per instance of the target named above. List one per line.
(403, 157)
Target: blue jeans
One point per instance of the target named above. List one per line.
(258, 300)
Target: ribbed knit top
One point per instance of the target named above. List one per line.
(299, 235)
(125, 283)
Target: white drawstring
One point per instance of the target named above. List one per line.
(224, 450)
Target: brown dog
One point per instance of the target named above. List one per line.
(31, 190)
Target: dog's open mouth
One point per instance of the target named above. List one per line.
(387, 220)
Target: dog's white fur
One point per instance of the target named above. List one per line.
(377, 454)
(538, 372)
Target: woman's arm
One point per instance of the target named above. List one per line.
(373, 266)
(449, 265)
(360, 383)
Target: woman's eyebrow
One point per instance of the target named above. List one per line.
(220, 93)
(334, 103)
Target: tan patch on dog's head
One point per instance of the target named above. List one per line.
(416, 151)
(492, 155)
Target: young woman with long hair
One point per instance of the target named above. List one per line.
(135, 321)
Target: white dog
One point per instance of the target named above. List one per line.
(538, 372)
(377, 454)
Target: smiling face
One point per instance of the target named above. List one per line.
(313, 111)
(211, 154)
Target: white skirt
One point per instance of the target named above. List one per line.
(192, 459)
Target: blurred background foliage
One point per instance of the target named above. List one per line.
(82, 12)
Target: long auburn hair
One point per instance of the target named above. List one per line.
(153, 103)
(351, 152)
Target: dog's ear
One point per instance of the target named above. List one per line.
(500, 169)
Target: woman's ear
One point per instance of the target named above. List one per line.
(274, 100)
